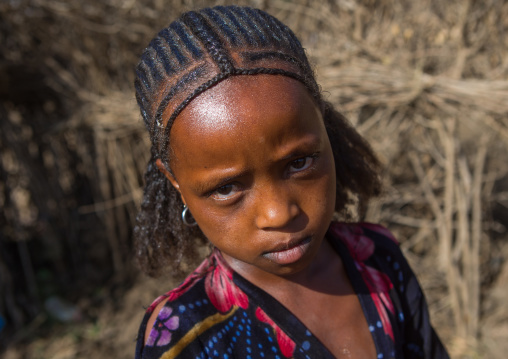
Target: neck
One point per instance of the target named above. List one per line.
(315, 276)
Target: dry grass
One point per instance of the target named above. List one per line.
(426, 82)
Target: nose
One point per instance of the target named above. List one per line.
(276, 207)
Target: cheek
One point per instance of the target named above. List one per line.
(328, 172)
(332, 185)
(328, 187)
(218, 226)
(326, 194)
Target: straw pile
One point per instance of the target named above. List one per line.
(426, 82)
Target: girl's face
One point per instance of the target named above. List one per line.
(252, 161)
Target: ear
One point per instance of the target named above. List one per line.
(169, 176)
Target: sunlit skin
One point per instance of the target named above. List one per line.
(252, 161)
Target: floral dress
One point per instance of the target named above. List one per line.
(216, 313)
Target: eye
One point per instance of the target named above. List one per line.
(301, 164)
(225, 192)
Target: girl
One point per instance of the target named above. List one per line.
(247, 154)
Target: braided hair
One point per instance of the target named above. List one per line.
(194, 53)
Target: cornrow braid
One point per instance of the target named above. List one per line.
(193, 54)
(212, 43)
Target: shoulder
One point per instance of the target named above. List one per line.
(363, 236)
(175, 321)
(371, 244)
(173, 311)
(184, 292)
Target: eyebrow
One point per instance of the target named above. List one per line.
(216, 181)
(297, 153)
(309, 140)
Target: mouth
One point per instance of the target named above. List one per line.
(287, 253)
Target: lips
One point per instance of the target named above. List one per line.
(287, 253)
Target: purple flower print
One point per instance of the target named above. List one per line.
(164, 324)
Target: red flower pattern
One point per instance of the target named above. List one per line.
(286, 345)
(188, 283)
(219, 285)
(361, 248)
(221, 289)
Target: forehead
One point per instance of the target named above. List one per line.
(241, 108)
(241, 99)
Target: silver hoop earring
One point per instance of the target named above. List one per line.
(186, 215)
